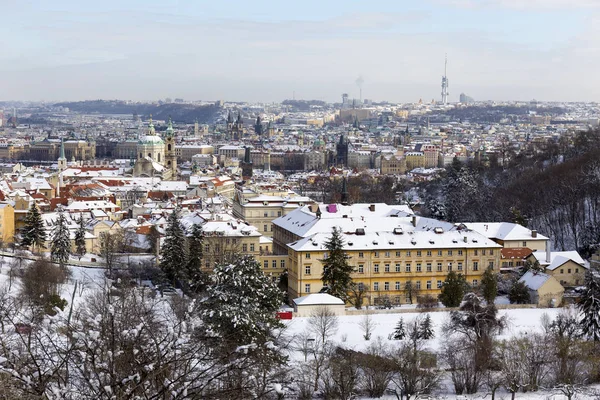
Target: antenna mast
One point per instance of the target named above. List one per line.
(445, 82)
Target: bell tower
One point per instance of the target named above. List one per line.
(170, 154)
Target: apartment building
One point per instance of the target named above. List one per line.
(388, 246)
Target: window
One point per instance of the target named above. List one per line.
(491, 252)
(569, 270)
(361, 268)
(418, 253)
(576, 270)
(418, 285)
(274, 263)
(439, 252)
(307, 288)
(407, 267)
(251, 246)
(206, 248)
(398, 268)
(386, 286)
(524, 244)
(459, 266)
(376, 286)
(483, 252)
(361, 254)
(449, 266)
(428, 285)
(244, 247)
(266, 264)
(265, 228)
(325, 256)
(491, 265)
(408, 253)
(397, 286)
(307, 270)
(439, 284)
(307, 256)
(377, 254)
(460, 253)
(387, 254)
(439, 267)
(397, 254)
(387, 268)
(361, 286)
(419, 267)
(428, 253)
(475, 266)
(475, 282)
(376, 268)
(428, 267)
(562, 271)
(449, 252)
(282, 263)
(279, 213)
(271, 228)
(266, 214)
(476, 252)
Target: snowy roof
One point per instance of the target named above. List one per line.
(558, 258)
(504, 231)
(534, 281)
(318, 299)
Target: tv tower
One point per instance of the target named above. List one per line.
(445, 83)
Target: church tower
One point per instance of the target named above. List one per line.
(247, 165)
(170, 155)
(62, 160)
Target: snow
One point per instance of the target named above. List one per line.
(318, 299)
(534, 281)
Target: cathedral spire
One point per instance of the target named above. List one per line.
(170, 127)
(151, 130)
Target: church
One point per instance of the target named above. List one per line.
(156, 157)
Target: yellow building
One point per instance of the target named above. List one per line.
(7, 223)
(393, 164)
(510, 235)
(387, 246)
(566, 266)
(414, 159)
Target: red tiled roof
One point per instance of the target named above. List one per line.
(515, 252)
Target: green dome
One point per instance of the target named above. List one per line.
(150, 139)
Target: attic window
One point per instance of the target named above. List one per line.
(474, 240)
(314, 243)
(398, 231)
(432, 242)
(454, 241)
(391, 242)
(414, 242)
(375, 242)
(350, 243)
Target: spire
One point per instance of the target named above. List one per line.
(239, 118)
(247, 155)
(170, 127)
(229, 118)
(344, 192)
(151, 130)
(62, 149)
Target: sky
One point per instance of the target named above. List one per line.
(240, 50)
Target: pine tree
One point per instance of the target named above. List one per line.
(196, 278)
(519, 293)
(173, 251)
(589, 306)
(399, 331)
(33, 233)
(489, 285)
(241, 305)
(453, 289)
(80, 247)
(336, 269)
(60, 249)
(426, 328)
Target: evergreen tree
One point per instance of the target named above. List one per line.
(33, 233)
(489, 286)
(589, 306)
(399, 331)
(60, 248)
(173, 251)
(241, 305)
(453, 289)
(519, 293)
(196, 278)
(80, 237)
(426, 328)
(336, 269)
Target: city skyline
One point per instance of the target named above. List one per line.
(267, 51)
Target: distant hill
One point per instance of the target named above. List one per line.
(186, 113)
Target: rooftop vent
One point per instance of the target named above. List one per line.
(391, 242)
(414, 242)
(375, 242)
(345, 216)
(533, 233)
(465, 239)
(398, 231)
(360, 232)
(439, 230)
(432, 242)
(474, 240)
(454, 241)
(372, 208)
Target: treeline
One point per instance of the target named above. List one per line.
(186, 113)
(363, 188)
(553, 187)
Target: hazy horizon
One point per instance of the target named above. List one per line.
(269, 51)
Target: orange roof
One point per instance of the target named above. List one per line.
(516, 252)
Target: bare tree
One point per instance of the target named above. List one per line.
(367, 324)
(323, 323)
(111, 243)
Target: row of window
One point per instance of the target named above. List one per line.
(273, 263)
(408, 267)
(397, 285)
(428, 253)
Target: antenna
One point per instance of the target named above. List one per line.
(445, 82)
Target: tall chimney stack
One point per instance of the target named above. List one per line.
(548, 252)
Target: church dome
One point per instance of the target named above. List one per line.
(151, 139)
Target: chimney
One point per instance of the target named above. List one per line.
(372, 207)
(548, 252)
(414, 221)
(465, 239)
(533, 233)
